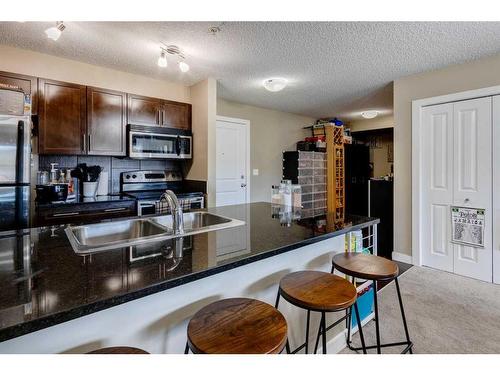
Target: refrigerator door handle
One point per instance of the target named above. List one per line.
(20, 152)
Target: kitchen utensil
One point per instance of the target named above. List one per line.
(90, 189)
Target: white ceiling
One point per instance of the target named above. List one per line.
(334, 68)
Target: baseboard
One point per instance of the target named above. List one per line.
(400, 257)
(336, 344)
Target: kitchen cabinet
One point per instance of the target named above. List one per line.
(145, 110)
(106, 122)
(176, 115)
(27, 84)
(62, 118)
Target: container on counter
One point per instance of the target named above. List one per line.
(90, 189)
(296, 196)
(275, 195)
(286, 192)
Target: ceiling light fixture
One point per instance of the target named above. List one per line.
(275, 84)
(54, 32)
(176, 52)
(369, 114)
(162, 60)
(183, 67)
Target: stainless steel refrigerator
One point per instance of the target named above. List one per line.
(15, 160)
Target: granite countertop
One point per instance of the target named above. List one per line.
(83, 200)
(43, 282)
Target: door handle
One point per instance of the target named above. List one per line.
(66, 214)
(243, 185)
(115, 209)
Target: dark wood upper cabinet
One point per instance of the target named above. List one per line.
(154, 111)
(27, 84)
(144, 110)
(106, 122)
(62, 118)
(176, 115)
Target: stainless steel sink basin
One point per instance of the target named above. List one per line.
(92, 238)
(194, 221)
(105, 236)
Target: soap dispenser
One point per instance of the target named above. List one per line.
(53, 173)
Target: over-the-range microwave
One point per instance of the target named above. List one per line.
(158, 142)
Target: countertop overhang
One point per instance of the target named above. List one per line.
(49, 284)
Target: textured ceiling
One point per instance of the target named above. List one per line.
(334, 68)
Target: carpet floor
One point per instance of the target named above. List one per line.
(446, 313)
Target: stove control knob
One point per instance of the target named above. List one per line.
(128, 176)
(134, 176)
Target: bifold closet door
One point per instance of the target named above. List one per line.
(472, 180)
(456, 171)
(496, 189)
(437, 186)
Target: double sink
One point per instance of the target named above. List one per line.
(86, 239)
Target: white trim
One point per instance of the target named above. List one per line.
(416, 190)
(400, 257)
(246, 123)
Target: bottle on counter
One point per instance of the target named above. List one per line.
(53, 173)
(275, 195)
(286, 193)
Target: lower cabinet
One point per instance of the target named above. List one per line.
(83, 213)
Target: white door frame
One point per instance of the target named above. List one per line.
(416, 165)
(246, 123)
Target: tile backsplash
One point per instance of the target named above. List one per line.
(114, 166)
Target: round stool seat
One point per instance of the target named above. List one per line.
(237, 326)
(365, 266)
(318, 291)
(118, 350)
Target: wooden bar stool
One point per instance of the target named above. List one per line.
(237, 326)
(374, 268)
(118, 350)
(321, 292)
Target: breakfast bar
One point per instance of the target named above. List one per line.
(55, 300)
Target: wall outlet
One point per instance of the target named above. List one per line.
(255, 172)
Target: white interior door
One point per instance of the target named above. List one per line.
(437, 186)
(472, 170)
(231, 159)
(456, 171)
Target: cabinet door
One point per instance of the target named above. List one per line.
(62, 113)
(106, 122)
(176, 115)
(27, 84)
(144, 110)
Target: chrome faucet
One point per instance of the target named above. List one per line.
(176, 209)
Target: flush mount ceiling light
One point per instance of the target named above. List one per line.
(173, 51)
(369, 114)
(275, 84)
(54, 32)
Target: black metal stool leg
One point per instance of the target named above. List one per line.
(307, 331)
(377, 328)
(323, 320)
(186, 350)
(277, 300)
(403, 315)
(360, 328)
(333, 268)
(317, 338)
(288, 351)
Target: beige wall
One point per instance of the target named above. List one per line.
(204, 100)
(271, 132)
(46, 66)
(456, 78)
(381, 122)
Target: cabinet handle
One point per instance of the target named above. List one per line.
(115, 209)
(158, 120)
(84, 142)
(66, 214)
(90, 144)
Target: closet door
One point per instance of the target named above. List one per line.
(472, 180)
(496, 189)
(437, 186)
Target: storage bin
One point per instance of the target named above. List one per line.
(307, 205)
(321, 164)
(319, 172)
(319, 211)
(305, 172)
(365, 306)
(305, 180)
(306, 155)
(320, 155)
(308, 163)
(319, 197)
(307, 198)
(319, 188)
(306, 189)
(319, 180)
(319, 204)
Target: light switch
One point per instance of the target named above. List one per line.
(255, 172)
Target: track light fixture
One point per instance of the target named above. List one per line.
(54, 32)
(173, 51)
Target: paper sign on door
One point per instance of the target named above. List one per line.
(467, 226)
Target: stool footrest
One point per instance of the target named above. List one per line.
(408, 344)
